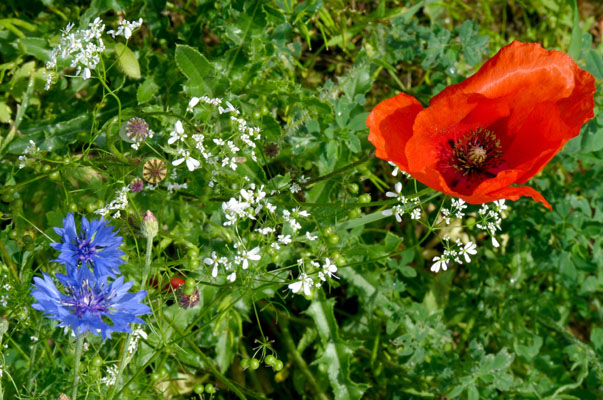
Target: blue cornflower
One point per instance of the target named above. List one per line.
(97, 246)
(89, 303)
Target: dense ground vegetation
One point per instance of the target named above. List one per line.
(275, 262)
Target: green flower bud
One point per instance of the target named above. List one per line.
(149, 227)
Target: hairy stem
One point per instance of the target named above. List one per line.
(76, 365)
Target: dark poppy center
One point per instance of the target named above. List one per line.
(476, 153)
(470, 158)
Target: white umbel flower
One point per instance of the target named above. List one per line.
(304, 283)
(177, 134)
(191, 163)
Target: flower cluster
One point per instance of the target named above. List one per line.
(125, 28)
(306, 284)
(491, 218)
(84, 47)
(403, 205)
(30, 150)
(96, 300)
(455, 210)
(118, 204)
(193, 149)
(453, 252)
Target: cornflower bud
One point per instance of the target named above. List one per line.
(149, 227)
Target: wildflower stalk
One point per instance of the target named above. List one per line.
(122, 365)
(147, 261)
(79, 346)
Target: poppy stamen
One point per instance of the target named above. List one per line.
(476, 153)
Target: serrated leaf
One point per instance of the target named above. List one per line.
(337, 354)
(192, 64)
(457, 390)
(337, 357)
(568, 270)
(594, 63)
(502, 360)
(474, 45)
(369, 291)
(127, 61)
(321, 311)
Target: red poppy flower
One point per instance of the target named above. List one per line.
(497, 128)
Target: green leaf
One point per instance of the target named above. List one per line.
(36, 47)
(436, 45)
(192, 64)
(457, 390)
(337, 357)
(569, 274)
(576, 38)
(369, 291)
(502, 360)
(353, 142)
(358, 122)
(337, 354)
(474, 45)
(98, 7)
(321, 311)
(127, 61)
(596, 338)
(146, 91)
(594, 63)
(5, 113)
(472, 393)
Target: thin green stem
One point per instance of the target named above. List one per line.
(9, 262)
(122, 365)
(79, 346)
(147, 261)
(370, 156)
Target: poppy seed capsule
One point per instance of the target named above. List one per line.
(137, 129)
(154, 170)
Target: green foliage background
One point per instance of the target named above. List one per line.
(524, 321)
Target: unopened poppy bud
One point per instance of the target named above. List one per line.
(136, 185)
(150, 227)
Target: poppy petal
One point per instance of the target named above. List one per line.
(515, 192)
(390, 125)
